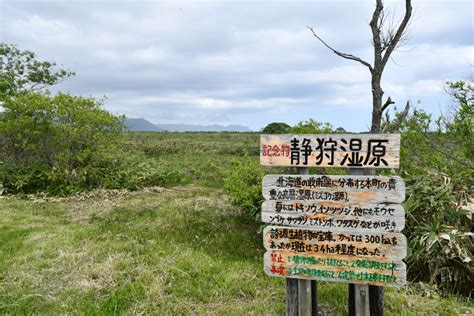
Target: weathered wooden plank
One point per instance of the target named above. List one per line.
(359, 270)
(370, 217)
(331, 150)
(388, 246)
(334, 209)
(360, 224)
(337, 189)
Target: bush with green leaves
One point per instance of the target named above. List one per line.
(21, 71)
(53, 141)
(64, 143)
(244, 184)
(437, 163)
(276, 128)
(311, 126)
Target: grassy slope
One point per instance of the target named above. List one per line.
(174, 251)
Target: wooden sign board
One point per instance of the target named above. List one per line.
(348, 269)
(377, 246)
(335, 215)
(342, 189)
(331, 150)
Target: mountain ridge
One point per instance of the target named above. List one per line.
(143, 125)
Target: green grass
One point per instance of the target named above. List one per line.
(181, 250)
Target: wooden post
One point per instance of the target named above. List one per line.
(301, 299)
(314, 298)
(304, 297)
(291, 302)
(362, 307)
(351, 300)
(352, 287)
(304, 286)
(376, 298)
(375, 294)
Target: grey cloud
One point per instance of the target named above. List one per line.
(254, 62)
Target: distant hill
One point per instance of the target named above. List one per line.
(142, 125)
(203, 128)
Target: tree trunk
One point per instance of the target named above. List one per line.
(377, 94)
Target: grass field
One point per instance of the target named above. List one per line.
(166, 251)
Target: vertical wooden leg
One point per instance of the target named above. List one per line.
(304, 297)
(351, 299)
(314, 298)
(291, 297)
(362, 305)
(376, 298)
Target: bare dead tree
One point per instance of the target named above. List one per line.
(385, 38)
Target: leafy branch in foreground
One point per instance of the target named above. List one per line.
(21, 71)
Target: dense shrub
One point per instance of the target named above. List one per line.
(276, 128)
(438, 230)
(244, 184)
(68, 143)
(437, 165)
(48, 141)
(311, 126)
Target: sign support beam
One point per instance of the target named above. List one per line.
(301, 295)
(362, 299)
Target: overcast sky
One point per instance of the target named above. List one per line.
(242, 62)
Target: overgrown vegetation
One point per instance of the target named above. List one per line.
(244, 184)
(276, 128)
(54, 143)
(438, 166)
(180, 250)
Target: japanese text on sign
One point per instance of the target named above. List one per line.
(390, 246)
(338, 150)
(334, 189)
(337, 269)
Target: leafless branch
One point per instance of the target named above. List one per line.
(375, 27)
(396, 63)
(400, 32)
(392, 127)
(387, 104)
(343, 55)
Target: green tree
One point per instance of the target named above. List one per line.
(22, 72)
(276, 128)
(461, 122)
(49, 142)
(311, 126)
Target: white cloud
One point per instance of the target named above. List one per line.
(239, 62)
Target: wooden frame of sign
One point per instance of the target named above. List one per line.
(334, 228)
